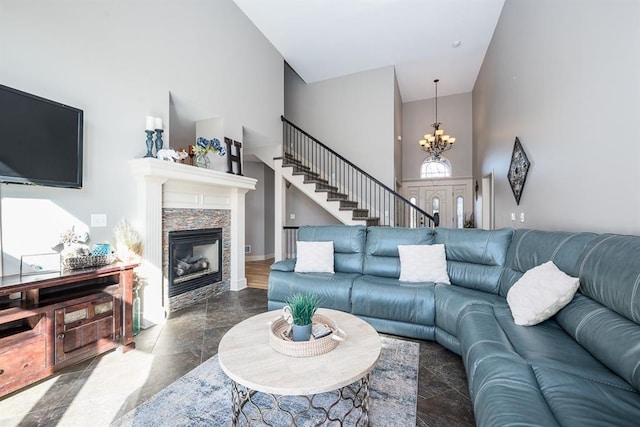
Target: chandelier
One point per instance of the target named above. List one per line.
(437, 142)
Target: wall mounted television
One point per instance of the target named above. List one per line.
(40, 140)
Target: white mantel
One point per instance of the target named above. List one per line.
(164, 184)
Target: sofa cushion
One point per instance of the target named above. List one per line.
(508, 395)
(548, 345)
(403, 329)
(507, 363)
(609, 273)
(387, 298)
(348, 244)
(314, 257)
(382, 258)
(530, 248)
(612, 338)
(451, 300)
(423, 263)
(579, 401)
(503, 388)
(540, 293)
(475, 258)
(334, 290)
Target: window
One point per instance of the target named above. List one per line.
(460, 212)
(435, 168)
(435, 205)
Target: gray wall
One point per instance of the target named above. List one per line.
(118, 61)
(563, 76)
(269, 211)
(255, 210)
(306, 211)
(454, 112)
(259, 211)
(354, 115)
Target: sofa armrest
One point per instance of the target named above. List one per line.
(286, 265)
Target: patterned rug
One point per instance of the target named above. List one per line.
(202, 397)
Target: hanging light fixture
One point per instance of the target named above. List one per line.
(437, 142)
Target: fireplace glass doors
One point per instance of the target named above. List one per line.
(195, 259)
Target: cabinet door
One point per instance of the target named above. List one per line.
(88, 328)
(23, 363)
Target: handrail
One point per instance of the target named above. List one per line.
(418, 212)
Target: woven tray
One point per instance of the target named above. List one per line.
(314, 347)
(75, 263)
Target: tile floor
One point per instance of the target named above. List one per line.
(106, 387)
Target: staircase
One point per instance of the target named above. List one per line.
(332, 192)
(342, 188)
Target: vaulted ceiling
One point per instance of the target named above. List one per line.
(324, 39)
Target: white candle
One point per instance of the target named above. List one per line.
(157, 121)
(149, 123)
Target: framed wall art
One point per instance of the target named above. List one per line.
(518, 170)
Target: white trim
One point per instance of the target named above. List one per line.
(488, 206)
(174, 185)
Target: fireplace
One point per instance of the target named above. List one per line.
(195, 259)
(177, 197)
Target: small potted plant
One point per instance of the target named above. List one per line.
(302, 308)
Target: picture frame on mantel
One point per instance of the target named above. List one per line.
(518, 170)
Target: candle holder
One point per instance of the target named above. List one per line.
(158, 140)
(149, 143)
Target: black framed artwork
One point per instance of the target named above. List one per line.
(518, 170)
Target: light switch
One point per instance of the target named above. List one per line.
(292, 216)
(513, 216)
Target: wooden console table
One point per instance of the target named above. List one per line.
(61, 319)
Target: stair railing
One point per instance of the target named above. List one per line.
(333, 170)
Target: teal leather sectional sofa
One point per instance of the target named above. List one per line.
(579, 368)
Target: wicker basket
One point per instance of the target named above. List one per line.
(281, 343)
(75, 263)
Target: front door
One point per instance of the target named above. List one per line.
(438, 200)
(451, 198)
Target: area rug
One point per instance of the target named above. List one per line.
(202, 397)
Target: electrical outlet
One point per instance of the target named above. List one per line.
(98, 220)
(521, 216)
(292, 216)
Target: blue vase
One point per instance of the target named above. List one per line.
(301, 332)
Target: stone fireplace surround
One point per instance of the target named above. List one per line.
(195, 219)
(166, 187)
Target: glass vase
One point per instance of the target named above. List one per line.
(136, 312)
(202, 160)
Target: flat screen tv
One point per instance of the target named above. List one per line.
(40, 140)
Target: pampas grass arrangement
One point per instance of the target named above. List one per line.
(128, 242)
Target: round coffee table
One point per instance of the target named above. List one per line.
(333, 386)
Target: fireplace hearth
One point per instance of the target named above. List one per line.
(195, 259)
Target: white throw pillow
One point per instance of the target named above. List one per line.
(423, 263)
(314, 257)
(540, 293)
